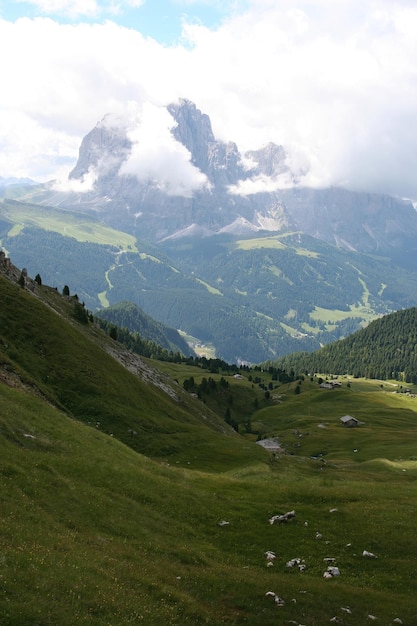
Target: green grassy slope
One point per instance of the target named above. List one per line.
(79, 226)
(94, 532)
(71, 366)
(309, 423)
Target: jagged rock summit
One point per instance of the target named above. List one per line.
(201, 187)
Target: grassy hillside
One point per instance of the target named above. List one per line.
(309, 426)
(75, 225)
(95, 532)
(93, 378)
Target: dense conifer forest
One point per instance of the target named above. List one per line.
(386, 349)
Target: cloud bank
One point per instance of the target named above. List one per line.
(158, 157)
(335, 83)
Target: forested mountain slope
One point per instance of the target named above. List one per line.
(252, 298)
(129, 315)
(386, 349)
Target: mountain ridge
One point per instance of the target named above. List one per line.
(129, 315)
(374, 223)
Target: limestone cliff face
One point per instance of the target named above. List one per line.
(105, 146)
(269, 160)
(355, 221)
(220, 161)
(194, 131)
(363, 222)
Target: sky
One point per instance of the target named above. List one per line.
(335, 82)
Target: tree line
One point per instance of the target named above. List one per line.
(385, 349)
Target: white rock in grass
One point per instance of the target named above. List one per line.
(283, 518)
(372, 617)
(369, 555)
(224, 523)
(270, 556)
(279, 601)
(346, 609)
(397, 620)
(297, 562)
(331, 572)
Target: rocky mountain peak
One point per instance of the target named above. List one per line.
(236, 194)
(269, 160)
(106, 145)
(193, 130)
(221, 162)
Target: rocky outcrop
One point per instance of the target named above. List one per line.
(10, 271)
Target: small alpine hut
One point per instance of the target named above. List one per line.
(349, 421)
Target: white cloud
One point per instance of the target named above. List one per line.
(158, 157)
(335, 82)
(132, 3)
(72, 8)
(82, 8)
(77, 185)
(59, 81)
(259, 184)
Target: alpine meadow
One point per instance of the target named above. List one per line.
(136, 490)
